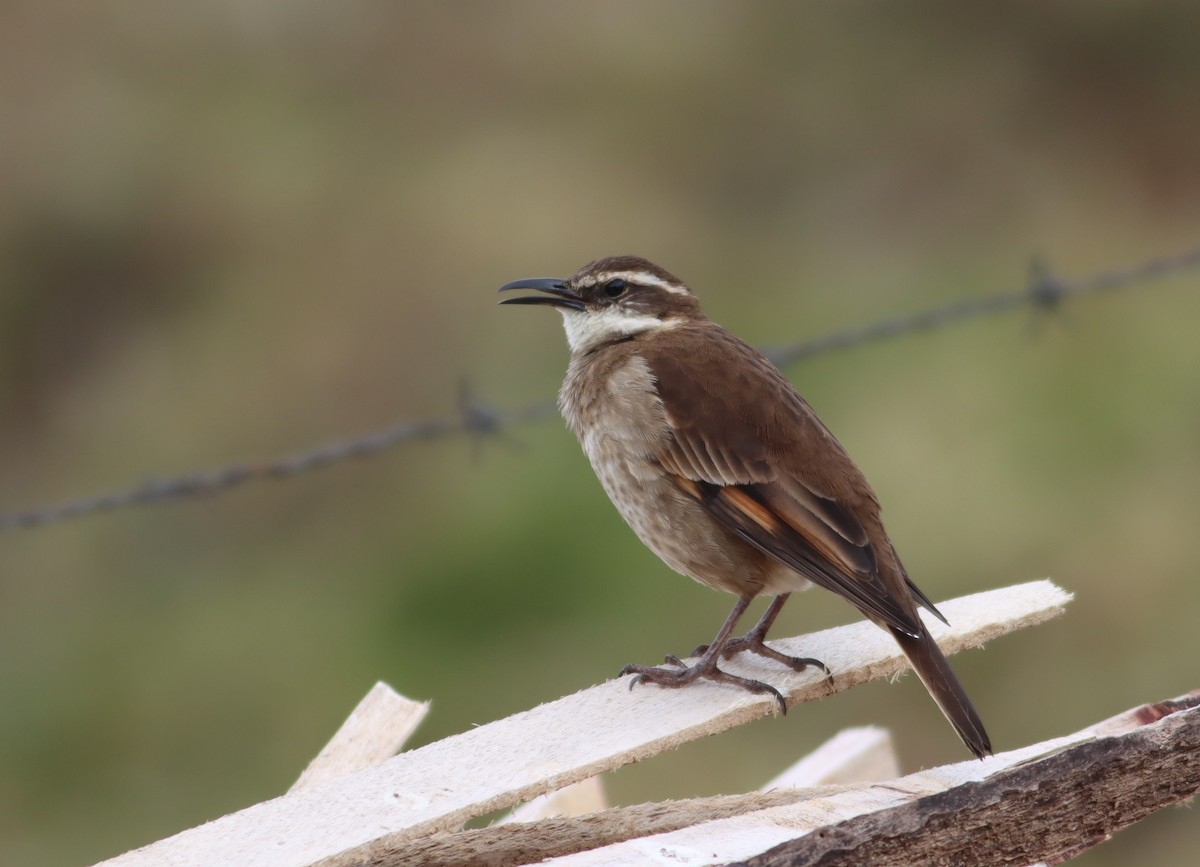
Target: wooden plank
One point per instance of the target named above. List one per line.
(510, 844)
(864, 824)
(1052, 808)
(578, 799)
(862, 754)
(531, 842)
(375, 731)
(441, 785)
(857, 755)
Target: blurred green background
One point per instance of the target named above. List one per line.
(238, 229)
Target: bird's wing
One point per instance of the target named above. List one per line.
(735, 453)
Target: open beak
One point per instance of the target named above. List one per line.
(556, 293)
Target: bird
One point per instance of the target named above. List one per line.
(722, 469)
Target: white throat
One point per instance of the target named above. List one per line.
(587, 329)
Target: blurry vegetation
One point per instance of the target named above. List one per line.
(236, 229)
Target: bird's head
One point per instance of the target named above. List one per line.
(612, 299)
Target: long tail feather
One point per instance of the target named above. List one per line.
(935, 672)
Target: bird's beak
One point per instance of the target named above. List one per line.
(557, 293)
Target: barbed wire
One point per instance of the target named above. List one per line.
(1045, 292)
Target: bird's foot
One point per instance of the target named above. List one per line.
(681, 674)
(752, 642)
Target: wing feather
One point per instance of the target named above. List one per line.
(736, 457)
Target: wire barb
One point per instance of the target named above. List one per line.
(1045, 293)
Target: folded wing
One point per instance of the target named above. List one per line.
(737, 458)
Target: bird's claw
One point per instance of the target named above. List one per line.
(752, 643)
(705, 669)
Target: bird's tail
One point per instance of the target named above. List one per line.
(935, 672)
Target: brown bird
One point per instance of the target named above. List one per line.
(725, 472)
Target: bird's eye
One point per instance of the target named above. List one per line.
(615, 288)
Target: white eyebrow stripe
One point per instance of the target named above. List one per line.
(642, 278)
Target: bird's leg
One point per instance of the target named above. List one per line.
(706, 668)
(753, 641)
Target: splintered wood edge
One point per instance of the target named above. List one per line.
(375, 731)
(1038, 802)
(439, 786)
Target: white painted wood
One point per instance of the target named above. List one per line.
(375, 731)
(437, 787)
